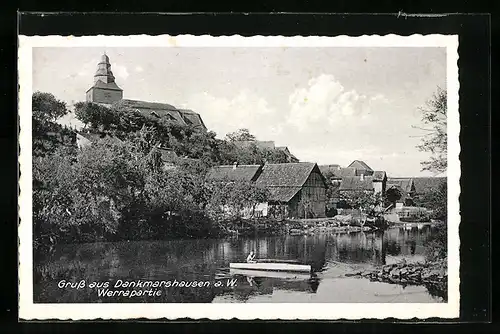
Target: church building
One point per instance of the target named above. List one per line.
(106, 91)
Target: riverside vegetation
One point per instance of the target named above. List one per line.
(116, 188)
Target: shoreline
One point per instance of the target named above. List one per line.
(433, 274)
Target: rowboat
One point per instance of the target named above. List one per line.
(276, 261)
(271, 274)
(271, 266)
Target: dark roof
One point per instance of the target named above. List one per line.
(165, 111)
(287, 174)
(355, 183)
(333, 169)
(358, 164)
(192, 118)
(148, 105)
(103, 85)
(346, 172)
(285, 180)
(229, 173)
(282, 194)
(338, 172)
(290, 156)
(404, 183)
(283, 148)
(379, 175)
(427, 184)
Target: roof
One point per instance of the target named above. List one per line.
(355, 183)
(285, 180)
(103, 85)
(231, 173)
(337, 172)
(283, 148)
(358, 164)
(404, 183)
(379, 175)
(282, 194)
(148, 105)
(329, 169)
(165, 111)
(192, 118)
(287, 174)
(427, 184)
(290, 156)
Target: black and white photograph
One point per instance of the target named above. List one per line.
(176, 171)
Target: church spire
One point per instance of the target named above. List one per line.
(104, 90)
(103, 72)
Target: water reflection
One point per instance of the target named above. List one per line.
(330, 255)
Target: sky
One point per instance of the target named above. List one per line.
(329, 105)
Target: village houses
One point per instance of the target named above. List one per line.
(297, 190)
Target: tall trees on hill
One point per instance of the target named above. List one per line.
(116, 188)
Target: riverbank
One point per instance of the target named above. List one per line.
(433, 274)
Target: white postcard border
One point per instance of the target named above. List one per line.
(324, 311)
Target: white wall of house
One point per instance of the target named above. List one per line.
(377, 187)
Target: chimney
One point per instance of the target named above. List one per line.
(235, 164)
(362, 177)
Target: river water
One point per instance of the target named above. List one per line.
(331, 256)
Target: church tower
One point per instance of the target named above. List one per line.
(104, 89)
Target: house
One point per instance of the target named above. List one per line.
(379, 182)
(295, 189)
(290, 157)
(400, 191)
(361, 168)
(351, 179)
(105, 91)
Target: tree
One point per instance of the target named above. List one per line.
(230, 199)
(434, 116)
(240, 135)
(46, 108)
(48, 135)
(365, 201)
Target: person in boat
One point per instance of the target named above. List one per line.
(251, 257)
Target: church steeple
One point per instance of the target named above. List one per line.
(104, 89)
(103, 72)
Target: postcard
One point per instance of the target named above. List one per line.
(263, 177)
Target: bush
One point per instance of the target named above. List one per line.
(437, 244)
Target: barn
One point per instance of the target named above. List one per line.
(297, 190)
